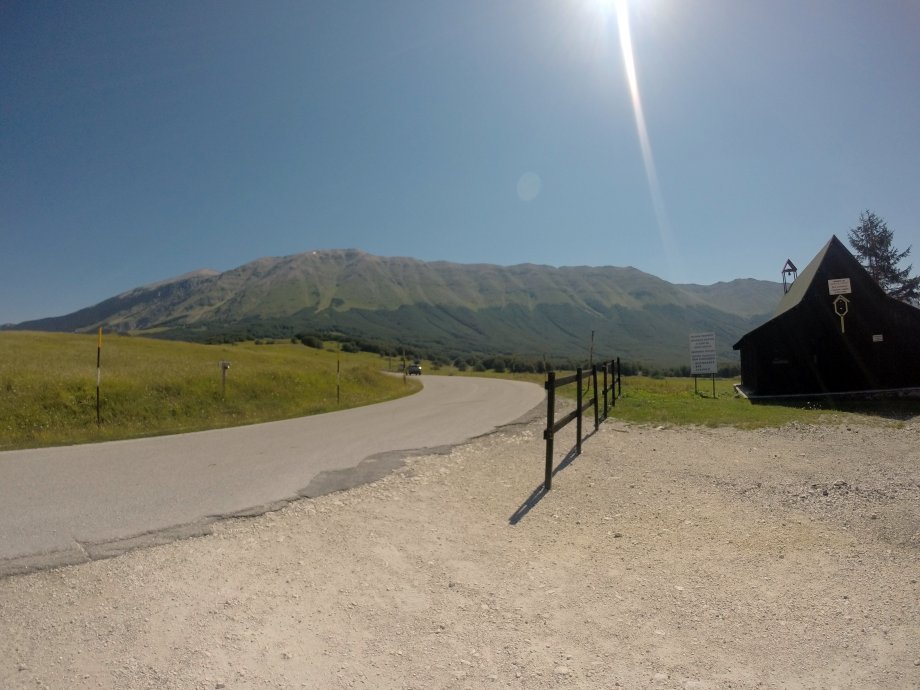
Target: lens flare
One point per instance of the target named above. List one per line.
(528, 186)
(629, 62)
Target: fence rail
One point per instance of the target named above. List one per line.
(612, 384)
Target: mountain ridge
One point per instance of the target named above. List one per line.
(439, 306)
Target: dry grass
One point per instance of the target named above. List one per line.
(150, 387)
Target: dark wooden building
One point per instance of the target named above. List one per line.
(834, 331)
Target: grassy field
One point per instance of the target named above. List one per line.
(150, 387)
(673, 401)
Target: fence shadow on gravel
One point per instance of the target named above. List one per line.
(540, 491)
(605, 386)
(607, 393)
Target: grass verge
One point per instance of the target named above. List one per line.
(151, 387)
(675, 401)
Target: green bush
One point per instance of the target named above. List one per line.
(310, 341)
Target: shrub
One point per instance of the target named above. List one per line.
(310, 341)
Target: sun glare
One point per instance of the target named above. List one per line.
(602, 7)
(621, 9)
(598, 19)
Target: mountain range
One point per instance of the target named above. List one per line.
(438, 308)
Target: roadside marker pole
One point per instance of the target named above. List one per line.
(224, 365)
(98, 375)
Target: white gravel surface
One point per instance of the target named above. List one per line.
(662, 558)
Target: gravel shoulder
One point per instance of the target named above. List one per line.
(662, 558)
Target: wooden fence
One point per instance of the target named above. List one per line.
(611, 389)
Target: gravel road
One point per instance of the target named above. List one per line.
(662, 558)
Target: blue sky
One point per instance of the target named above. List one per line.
(140, 141)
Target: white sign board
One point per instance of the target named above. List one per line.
(839, 286)
(702, 354)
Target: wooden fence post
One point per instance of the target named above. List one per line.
(578, 383)
(548, 433)
(597, 412)
(606, 406)
(612, 385)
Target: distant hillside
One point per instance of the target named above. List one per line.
(439, 307)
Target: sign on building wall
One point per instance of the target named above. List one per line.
(703, 354)
(839, 286)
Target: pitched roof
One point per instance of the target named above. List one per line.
(801, 285)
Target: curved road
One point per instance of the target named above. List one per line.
(72, 504)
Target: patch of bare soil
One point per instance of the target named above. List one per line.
(662, 558)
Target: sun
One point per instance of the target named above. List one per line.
(602, 8)
(616, 13)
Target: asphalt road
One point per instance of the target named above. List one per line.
(71, 504)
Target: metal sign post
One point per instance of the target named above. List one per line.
(703, 358)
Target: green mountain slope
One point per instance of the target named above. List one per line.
(440, 307)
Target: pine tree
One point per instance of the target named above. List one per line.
(871, 240)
